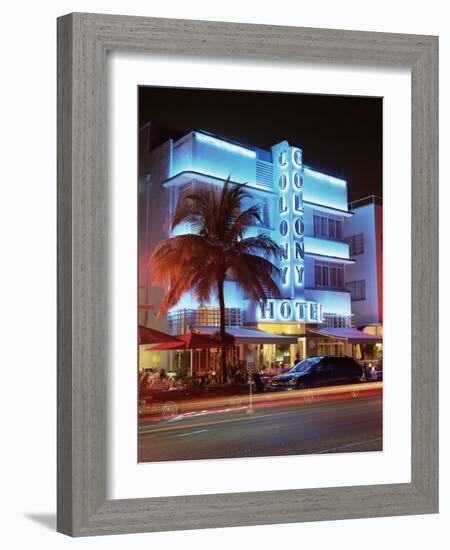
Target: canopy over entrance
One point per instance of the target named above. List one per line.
(251, 336)
(351, 335)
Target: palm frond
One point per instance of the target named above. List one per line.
(260, 244)
(181, 284)
(192, 208)
(257, 275)
(175, 254)
(199, 260)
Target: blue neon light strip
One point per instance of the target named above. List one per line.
(225, 145)
(324, 177)
(324, 247)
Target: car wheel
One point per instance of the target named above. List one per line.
(169, 409)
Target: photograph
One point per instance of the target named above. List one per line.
(227, 234)
(260, 276)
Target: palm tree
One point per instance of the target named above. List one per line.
(216, 249)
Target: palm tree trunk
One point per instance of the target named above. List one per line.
(223, 358)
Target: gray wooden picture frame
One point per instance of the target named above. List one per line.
(83, 41)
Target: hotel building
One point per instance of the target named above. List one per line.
(364, 278)
(303, 209)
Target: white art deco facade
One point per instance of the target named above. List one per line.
(302, 209)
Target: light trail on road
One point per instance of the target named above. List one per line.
(215, 405)
(292, 427)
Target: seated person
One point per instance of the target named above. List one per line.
(161, 382)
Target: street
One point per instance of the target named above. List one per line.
(293, 425)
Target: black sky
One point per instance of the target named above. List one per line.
(341, 135)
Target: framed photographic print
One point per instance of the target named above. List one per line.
(272, 252)
(243, 213)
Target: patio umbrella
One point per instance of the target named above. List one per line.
(167, 346)
(199, 341)
(191, 341)
(152, 336)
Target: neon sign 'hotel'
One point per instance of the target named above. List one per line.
(302, 209)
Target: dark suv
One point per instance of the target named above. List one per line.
(326, 370)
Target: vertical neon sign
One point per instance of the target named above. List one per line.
(298, 226)
(282, 183)
(288, 181)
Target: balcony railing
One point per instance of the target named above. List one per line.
(371, 199)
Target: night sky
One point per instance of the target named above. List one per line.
(340, 135)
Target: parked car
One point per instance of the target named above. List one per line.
(326, 370)
(192, 394)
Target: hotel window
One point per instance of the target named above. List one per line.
(356, 244)
(329, 275)
(336, 276)
(357, 290)
(320, 226)
(321, 274)
(334, 229)
(328, 227)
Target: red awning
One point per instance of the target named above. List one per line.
(152, 336)
(191, 340)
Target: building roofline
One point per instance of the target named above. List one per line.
(364, 201)
(221, 138)
(324, 174)
(254, 148)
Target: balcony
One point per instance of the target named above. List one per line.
(325, 249)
